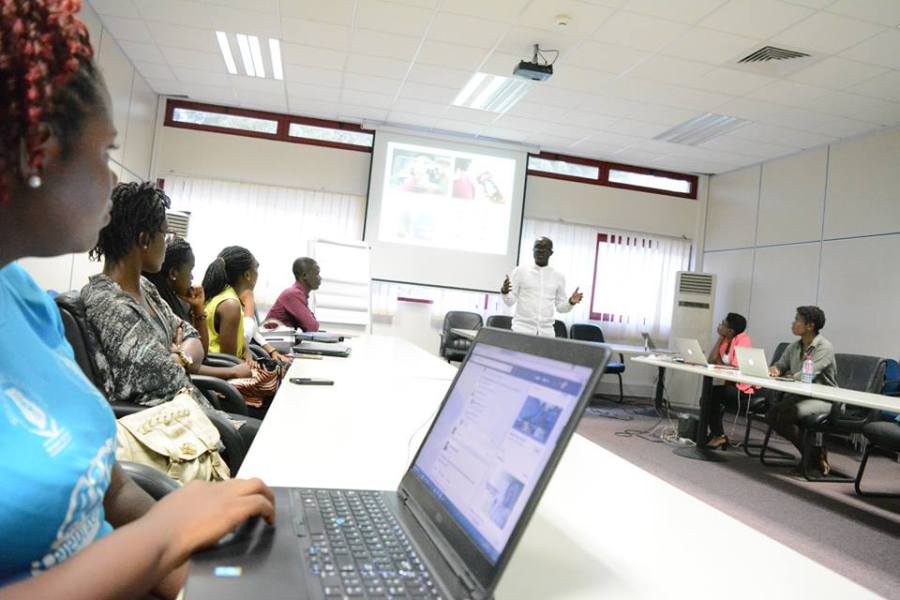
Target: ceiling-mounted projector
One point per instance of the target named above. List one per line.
(538, 68)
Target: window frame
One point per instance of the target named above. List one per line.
(282, 131)
(604, 168)
(610, 239)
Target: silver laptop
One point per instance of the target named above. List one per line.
(691, 352)
(752, 362)
(450, 528)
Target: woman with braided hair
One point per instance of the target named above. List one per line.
(63, 493)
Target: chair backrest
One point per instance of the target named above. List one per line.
(860, 372)
(71, 309)
(587, 332)
(779, 350)
(499, 321)
(559, 329)
(461, 319)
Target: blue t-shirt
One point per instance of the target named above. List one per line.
(57, 437)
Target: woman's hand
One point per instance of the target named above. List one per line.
(196, 299)
(197, 515)
(241, 371)
(281, 357)
(774, 372)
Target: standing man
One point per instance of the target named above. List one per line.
(536, 290)
(292, 305)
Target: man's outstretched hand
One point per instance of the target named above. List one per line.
(576, 297)
(506, 287)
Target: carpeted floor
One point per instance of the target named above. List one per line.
(827, 522)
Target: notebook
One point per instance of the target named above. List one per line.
(452, 525)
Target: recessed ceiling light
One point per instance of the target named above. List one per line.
(225, 49)
(256, 53)
(701, 129)
(492, 92)
(246, 58)
(275, 51)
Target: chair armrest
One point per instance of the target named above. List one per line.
(258, 351)
(231, 400)
(156, 483)
(219, 356)
(218, 362)
(235, 451)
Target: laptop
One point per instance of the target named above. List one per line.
(452, 525)
(690, 351)
(323, 348)
(752, 362)
(325, 337)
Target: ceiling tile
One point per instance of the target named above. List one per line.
(368, 83)
(818, 122)
(360, 98)
(193, 59)
(428, 93)
(639, 31)
(747, 108)
(311, 56)
(606, 57)
(336, 12)
(885, 86)
(416, 106)
(312, 108)
(256, 84)
(664, 115)
(607, 106)
(167, 88)
(502, 10)
(528, 109)
(155, 71)
(556, 142)
(636, 128)
(435, 75)
(788, 93)
(683, 12)
(453, 56)
(730, 81)
(312, 75)
(454, 126)
(520, 41)
(264, 100)
(499, 63)
(554, 97)
(607, 138)
(416, 120)
(530, 126)
(388, 17)
(377, 65)
(852, 106)
(729, 143)
(358, 114)
(817, 4)
(638, 158)
(713, 47)
(827, 33)
(269, 6)
(481, 33)
(142, 52)
(211, 93)
(313, 92)
(312, 33)
(376, 43)
(882, 12)
(128, 30)
(232, 20)
(178, 36)
(639, 90)
(837, 73)
(693, 99)
(585, 18)
(469, 114)
(503, 133)
(781, 135)
(883, 49)
(176, 12)
(578, 79)
(670, 70)
(755, 18)
(202, 77)
(116, 8)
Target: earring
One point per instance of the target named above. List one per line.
(34, 181)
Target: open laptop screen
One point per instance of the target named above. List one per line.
(491, 442)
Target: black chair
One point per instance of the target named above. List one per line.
(855, 372)
(453, 346)
(883, 435)
(220, 359)
(758, 407)
(499, 321)
(589, 332)
(559, 329)
(155, 483)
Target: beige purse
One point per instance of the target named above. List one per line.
(175, 437)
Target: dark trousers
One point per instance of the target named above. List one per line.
(721, 396)
(248, 430)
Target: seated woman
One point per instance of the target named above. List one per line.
(252, 330)
(233, 272)
(149, 349)
(74, 524)
(732, 334)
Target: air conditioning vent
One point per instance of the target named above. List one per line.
(770, 53)
(179, 222)
(695, 283)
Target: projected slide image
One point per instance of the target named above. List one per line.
(501, 496)
(421, 172)
(537, 419)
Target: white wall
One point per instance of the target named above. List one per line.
(134, 114)
(821, 227)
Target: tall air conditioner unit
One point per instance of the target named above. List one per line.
(692, 317)
(179, 222)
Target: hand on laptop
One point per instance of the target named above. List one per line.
(774, 372)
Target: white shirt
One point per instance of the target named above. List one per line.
(536, 291)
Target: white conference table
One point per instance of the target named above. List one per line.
(604, 528)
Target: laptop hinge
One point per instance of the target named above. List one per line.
(450, 557)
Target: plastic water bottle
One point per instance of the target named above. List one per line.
(806, 375)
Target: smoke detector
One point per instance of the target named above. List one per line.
(562, 20)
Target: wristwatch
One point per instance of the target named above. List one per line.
(185, 358)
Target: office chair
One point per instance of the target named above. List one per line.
(499, 321)
(758, 407)
(589, 332)
(455, 347)
(884, 435)
(155, 483)
(559, 329)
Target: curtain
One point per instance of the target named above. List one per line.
(274, 223)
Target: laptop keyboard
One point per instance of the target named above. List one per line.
(358, 549)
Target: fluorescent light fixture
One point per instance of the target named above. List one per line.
(246, 58)
(225, 49)
(492, 92)
(275, 51)
(255, 51)
(701, 129)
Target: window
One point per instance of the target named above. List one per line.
(649, 181)
(561, 167)
(327, 134)
(202, 117)
(634, 283)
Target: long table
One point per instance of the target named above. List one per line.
(604, 528)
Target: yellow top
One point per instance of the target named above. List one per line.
(211, 306)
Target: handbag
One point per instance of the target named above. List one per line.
(265, 378)
(174, 437)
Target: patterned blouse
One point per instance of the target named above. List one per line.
(136, 342)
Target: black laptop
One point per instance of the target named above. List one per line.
(452, 525)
